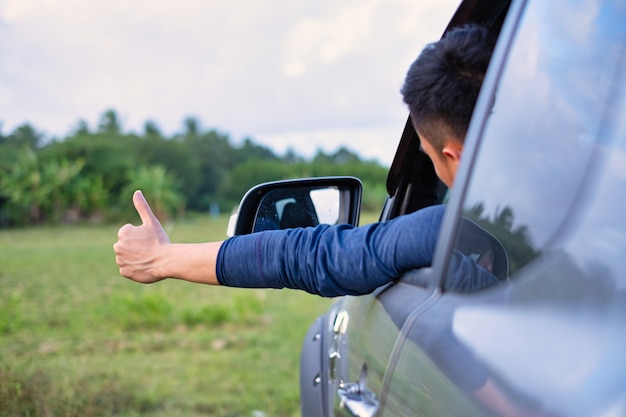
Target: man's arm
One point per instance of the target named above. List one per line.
(324, 260)
(145, 254)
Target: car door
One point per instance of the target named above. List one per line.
(347, 353)
(543, 171)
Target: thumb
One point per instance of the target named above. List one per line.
(143, 208)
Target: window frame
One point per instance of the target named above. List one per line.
(452, 219)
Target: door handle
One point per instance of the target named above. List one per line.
(356, 398)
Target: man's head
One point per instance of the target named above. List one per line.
(441, 89)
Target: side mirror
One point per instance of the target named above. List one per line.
(298, 203)
(484, 248)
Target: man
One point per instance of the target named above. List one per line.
(440, 89)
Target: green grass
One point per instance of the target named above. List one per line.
(76, 339)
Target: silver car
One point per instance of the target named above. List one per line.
(540, 200)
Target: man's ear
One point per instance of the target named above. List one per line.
(452, 150)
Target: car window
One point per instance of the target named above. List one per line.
(550, 122)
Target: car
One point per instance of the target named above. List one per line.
(539, 200)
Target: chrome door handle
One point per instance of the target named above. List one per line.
(334, 353)
(357, 398)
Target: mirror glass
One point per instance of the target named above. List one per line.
(291, 207)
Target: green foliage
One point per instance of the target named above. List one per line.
(176, 157)
(247, 174)
(374, 196)
(91, 173)
(23, 135)
(35, 190)
(159, 185)
(516, 239)
(110, 157)
(110, 123)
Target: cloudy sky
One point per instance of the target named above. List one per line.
(314, 74)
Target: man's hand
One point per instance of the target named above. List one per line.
(139, 250)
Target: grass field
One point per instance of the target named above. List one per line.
(76, 339)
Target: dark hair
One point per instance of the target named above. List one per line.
(442, 85)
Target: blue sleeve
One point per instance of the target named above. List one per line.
(465, 275)
(331, 260)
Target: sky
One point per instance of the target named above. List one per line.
(300, 75)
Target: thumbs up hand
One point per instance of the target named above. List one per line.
(140, 250)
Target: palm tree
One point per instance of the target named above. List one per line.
(159, 187)
(36, 190)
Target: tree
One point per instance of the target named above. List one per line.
(36, 190)
(159, 187)
(341, 156)
(24, 135)
(151, 130)
(250, 150)
(177, 157)
(192, 126)
(58, 176)
(81, 128)
(88, 197)
(517, 240)
(20, 185)
(200, 167)
(212, 155)
(291, 157)
(252, 172)
(110, 123)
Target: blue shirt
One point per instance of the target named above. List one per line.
(342, 259)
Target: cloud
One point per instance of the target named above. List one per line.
(264, 70)
(327, 38)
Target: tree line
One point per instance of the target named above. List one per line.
(91, 173)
